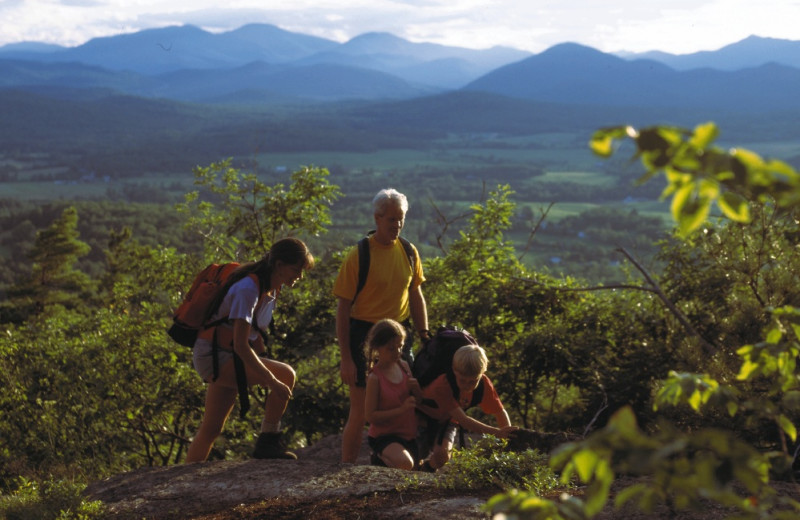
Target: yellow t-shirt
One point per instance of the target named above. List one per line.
(385, 293)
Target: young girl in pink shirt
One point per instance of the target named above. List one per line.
(391, 397)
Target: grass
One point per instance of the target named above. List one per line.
(589, 178)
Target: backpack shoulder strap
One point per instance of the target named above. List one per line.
(363, 264)
(409, 252)
(477, 394)
(222, 274)
(363, 261)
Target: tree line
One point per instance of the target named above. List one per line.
(705, 345)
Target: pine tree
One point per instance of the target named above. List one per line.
(54, 279)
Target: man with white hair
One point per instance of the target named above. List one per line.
(392, 290)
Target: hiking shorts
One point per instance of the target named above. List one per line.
(378, 444)
(358, 336)
(432, 433)
(203, 359)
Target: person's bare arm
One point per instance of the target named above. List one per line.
(241, 346)
(347, 367)
(419, 309)
(477, 426)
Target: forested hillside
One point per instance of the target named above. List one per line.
(635, 286)
(686, 373)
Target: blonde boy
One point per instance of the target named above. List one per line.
(449, 395)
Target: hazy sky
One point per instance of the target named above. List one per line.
(676, 26)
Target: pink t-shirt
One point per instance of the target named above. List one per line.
(393, 395)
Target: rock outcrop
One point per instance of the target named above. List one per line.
(317, 477)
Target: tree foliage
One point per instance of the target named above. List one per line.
(54, 279)
(243, 216)
(708, 463)
(707, 346)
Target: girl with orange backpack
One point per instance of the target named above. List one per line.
(235, 347)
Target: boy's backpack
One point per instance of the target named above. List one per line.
(363, 260)
(436, 358)
(191, 316)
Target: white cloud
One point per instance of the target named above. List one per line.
(677, 26)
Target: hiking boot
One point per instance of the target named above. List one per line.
(270, 446)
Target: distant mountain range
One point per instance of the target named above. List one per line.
(264, 64)
(570, 73)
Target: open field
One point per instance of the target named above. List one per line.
(449, 176)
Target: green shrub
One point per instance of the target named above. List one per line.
(487, 464)
(52, 499)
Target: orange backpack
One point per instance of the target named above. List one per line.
(192, 315)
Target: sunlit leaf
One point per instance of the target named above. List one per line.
(680, 199)
(774, 335)
(585, 462)
(750, 160)
(693, 215)
(734, 207)
(696, 400)
(597, 492)
(602, 145)
(746, 370)
(788, 427)
(704, 135)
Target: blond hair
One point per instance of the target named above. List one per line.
(470, 360)
(381, 334)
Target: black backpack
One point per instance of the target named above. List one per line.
(436, 358)
(363, 261)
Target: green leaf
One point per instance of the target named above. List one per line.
(585, 462)
(597, 492)
(696, 400)
(681, 199)
(624, 420)
(704, 135)
(630, 493)
(750, 160)
(774, 335)
(734, 207)
(788, 427)
(747, 369)
(693, 215)
(602, 144)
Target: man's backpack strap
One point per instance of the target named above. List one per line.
(363, 265)
(363, 261)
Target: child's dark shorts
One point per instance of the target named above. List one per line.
(378, 444)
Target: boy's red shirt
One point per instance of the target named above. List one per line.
(440, 392)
